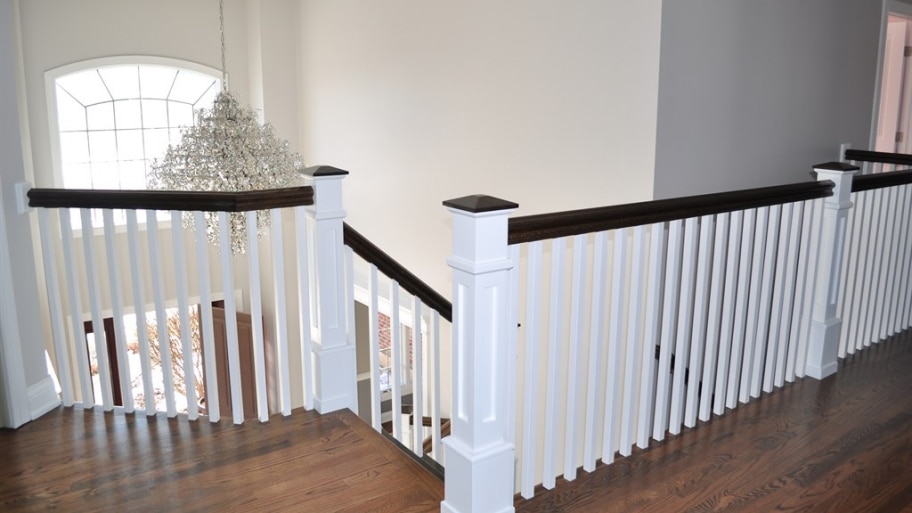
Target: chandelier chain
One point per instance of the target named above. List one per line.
(222, 35)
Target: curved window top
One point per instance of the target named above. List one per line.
(113, 119)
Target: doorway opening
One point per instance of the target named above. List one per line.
(894, 119)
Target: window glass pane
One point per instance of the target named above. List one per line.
(206, 100)
(156, 143)
(101, 116)
(189, 86)
(102, 146)
(71, 115)
(74, 147)
(156, 81)
(85, 86)
(180, 114)
(121, 81)
(133, 174)
(77, 176)
(105, 175)
(127, 114)
(155, 113)
(129, 145)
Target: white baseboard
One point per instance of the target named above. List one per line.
(42, 397)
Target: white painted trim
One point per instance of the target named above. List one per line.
(14, 405)
(42, 397)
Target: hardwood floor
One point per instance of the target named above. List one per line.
(843, 444)
(84, 460)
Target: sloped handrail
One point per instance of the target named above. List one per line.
(882, 180)
(386, 264)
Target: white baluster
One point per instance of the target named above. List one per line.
(437, 384)
(635, 343)
(120, 336)
(770, 272)
(905, 317)
(789, 293)
(574, 365)
(698, 336)
(652, 332)
(374, 340)
(614, 385)
(396, 360)
(206, 328)
(552, 377)
(55, 304)
(596, 336)
(741, 306)
(305, 292)
(531, 399)
(101, 344)
(865, 210)
(417, 379)
(256, 311)
(183, 309)
(142, 332)
(732, 268)
(158, 296)
(850, 276)
(685, 324)
(714, 322)
(669, 322)
(281, 323)
(753, 303)
(873, 271)
(235, 384)
(74, 298)
(777, 299)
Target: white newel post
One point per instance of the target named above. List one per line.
(479, 453)
(334, 376)
(825, 325)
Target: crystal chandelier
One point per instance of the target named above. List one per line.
(227, 150)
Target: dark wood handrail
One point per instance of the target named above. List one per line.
(881, 180)
(208, 201)
(878, 156)
(576, 222)
(390, 267)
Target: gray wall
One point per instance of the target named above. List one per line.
(754, 93)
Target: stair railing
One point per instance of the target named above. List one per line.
(408, 323)
(734, 293)
(129, 270)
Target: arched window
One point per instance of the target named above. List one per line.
(113, 117)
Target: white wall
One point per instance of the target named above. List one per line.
(754, 93)
(25, 388)
(548, 104)
(58, 32)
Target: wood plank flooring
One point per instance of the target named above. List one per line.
(843, 444)
(85, 460)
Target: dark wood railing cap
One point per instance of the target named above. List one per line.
(837, 166)
(478, 203)
(317, 171)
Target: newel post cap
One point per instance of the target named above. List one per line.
(479, 203)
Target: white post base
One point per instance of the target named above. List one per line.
(823, 348)
(480, 471)
(335, 379)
